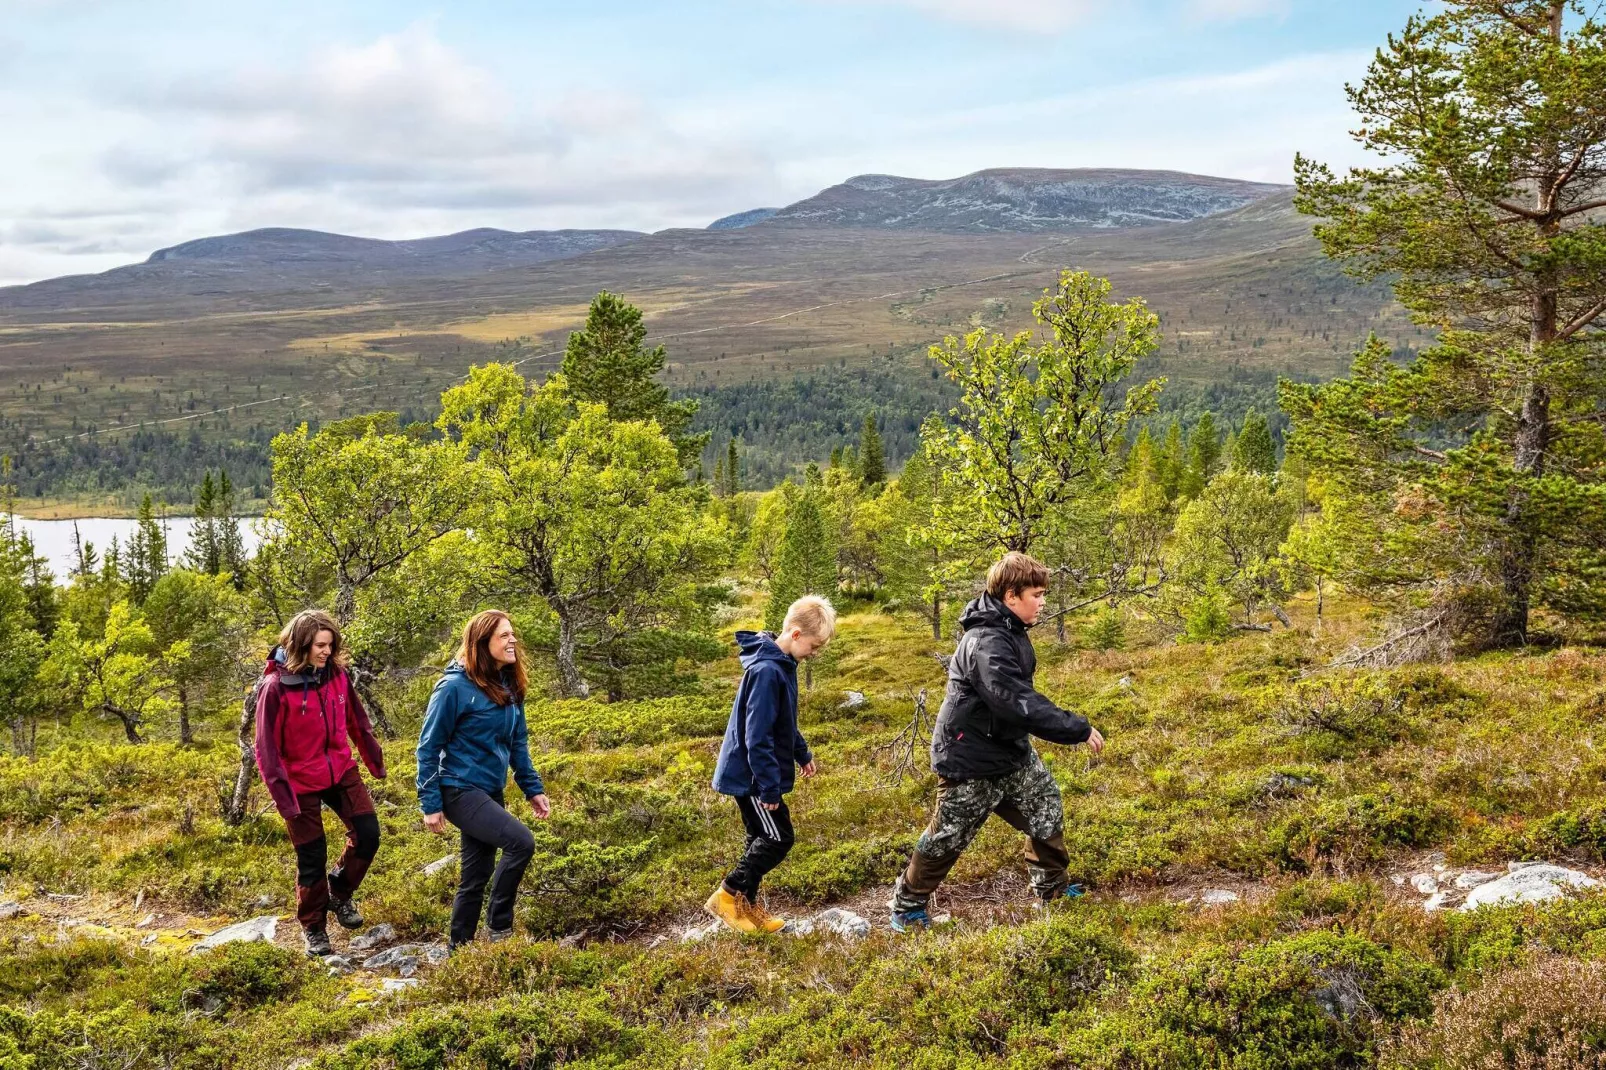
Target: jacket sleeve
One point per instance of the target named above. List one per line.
(1001, 681)
(800, 748)
(763, 706)
(270, 763)
(440, 721)
(524, 774)
(361, 730)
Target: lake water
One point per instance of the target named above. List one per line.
(54, 538)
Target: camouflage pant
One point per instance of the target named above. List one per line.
(1028, 799)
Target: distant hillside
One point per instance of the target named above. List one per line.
(742, 219)
(1023, 199)
(280, 259)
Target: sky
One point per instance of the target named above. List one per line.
(130, 125)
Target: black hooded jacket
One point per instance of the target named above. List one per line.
(991, 708)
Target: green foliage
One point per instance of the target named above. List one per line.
(1254, 451)
(1357, 830)
(1228, 539)
(606, 363)
(570, 724)
(807, 563)
(1035, 428)
(590, 515)
(1208, 619)
(1484, 453)
(1316, 1000)
(872, 462)
(1107, 630)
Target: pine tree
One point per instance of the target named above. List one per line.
(205, 555)
(145, 561)
(733, 480)
(1170, 461)
(1484, 208)
(807, 561)
(872, 459)
(606, 362)
(1203, 457)
(231, 546)
(720, 482)
(1254, 451)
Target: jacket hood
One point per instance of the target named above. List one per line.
(454, 668)
(989, 612)
(276, 667)
(755, 647)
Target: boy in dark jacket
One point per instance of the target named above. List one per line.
(981, 748)
(762, 742)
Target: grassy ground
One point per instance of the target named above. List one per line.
(1228, 767)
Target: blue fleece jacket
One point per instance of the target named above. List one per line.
(468, 741)
(762, 744)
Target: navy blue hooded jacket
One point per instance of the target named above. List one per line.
(762, 745)
(468, 741)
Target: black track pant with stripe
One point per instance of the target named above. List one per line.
(769, 838)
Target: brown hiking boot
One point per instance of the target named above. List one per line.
(766, 922)
(733, 911)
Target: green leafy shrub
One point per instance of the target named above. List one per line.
(591, 723)
(1308, 1002)
(1342, 715)
(1491, 939)
(30, 970)
(83, 777)
(515, 1033)
(1357, 829)
(954, 1001)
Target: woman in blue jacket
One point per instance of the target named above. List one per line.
(474, 730)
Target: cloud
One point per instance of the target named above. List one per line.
(1043, 16)
(406, 122)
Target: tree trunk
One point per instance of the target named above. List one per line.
(345, 601)
(234, 806)
(185, 735)
(570, 682)
(936, 617)
(364, 678)
(19, 737)
(130, 723)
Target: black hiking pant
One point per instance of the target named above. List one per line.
(350, 801)
(486, 828)
(769, 839)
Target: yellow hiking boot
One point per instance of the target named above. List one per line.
(766, 922)
(733, 911)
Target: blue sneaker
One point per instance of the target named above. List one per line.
(908, 920)
(1072, 891)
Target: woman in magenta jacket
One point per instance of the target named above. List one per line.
(308, 714)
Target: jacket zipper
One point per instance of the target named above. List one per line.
(323, 712)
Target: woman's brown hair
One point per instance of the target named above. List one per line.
(298, 636)
(475, 656)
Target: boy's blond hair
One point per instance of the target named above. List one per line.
(813, 614)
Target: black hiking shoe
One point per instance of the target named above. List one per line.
(346, 913)
(496, 936)
(318, 943)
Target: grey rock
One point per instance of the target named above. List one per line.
(1530, 884)
(10, 910)
(1512, 867)
(407, 967)
(439, 864)
(263, 928)
(854, 700)
(698, 933)
(338, 965)
(436, 954)
(1340, 996)
(146, 922)
(1472, 878)
(383, 933)
(842, 923)
(1436, 902)
(1215, 897)
(393, 956)
(1425, 883)
(391, 985)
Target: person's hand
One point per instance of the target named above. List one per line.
(1095, 741)
(435, 822)
(809, 769)
(769, 806)
(541, 805)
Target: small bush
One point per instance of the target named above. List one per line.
(1312, 1001)
(1359, 829)
(590, 723)
(1549, 1014)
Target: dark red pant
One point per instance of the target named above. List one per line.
(351, 803)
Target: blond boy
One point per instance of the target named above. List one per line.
(756, 761)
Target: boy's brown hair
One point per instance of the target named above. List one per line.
(1014, 573)
(813, 614)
